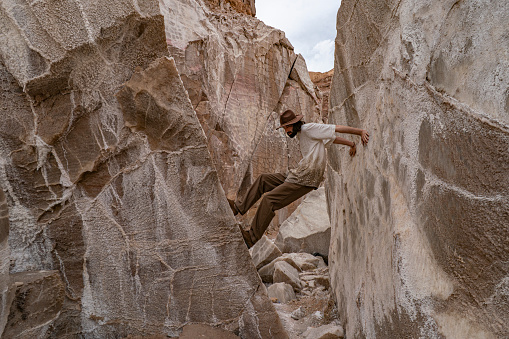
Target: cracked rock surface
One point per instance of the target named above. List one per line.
(109, 181)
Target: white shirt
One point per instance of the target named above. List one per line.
(313, 139)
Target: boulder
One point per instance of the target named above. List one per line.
(308, 228)
(419, 216)
(284, 272)
(283, 292)
(301, 261)
(329, 331)
(263, 252)
(305, 261)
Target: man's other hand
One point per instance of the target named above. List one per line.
(364, 138)
(353, 150)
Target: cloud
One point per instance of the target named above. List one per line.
(309, 25)
(320, 56)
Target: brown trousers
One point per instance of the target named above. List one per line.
(280, 194)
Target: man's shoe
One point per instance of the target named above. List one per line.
(233, 207)
(247, 237)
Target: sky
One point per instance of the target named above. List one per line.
(309, 25)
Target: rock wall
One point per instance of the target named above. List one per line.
(114, 199)
(420, 216)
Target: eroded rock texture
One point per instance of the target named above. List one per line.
(420, 217)
(237, 73)
(110, 183)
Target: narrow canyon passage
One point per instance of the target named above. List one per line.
(125, 126)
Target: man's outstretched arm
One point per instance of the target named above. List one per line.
(343, 141)
(352, 130)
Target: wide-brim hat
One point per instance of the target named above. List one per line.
(288, 118)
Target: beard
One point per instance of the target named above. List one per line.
(292, 134)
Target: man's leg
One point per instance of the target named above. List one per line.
(264, 183)
(277, 198)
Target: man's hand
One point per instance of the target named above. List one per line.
(364, 137)
(353, 150)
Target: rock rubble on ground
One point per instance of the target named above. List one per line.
(301, 261)
(298, 285)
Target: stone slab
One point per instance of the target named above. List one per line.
(308, 228)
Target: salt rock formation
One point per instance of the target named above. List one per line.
(109, 181)
(420, 216)
(239, 76)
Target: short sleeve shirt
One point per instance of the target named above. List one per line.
(313, 139)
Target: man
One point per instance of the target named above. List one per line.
(284, 189)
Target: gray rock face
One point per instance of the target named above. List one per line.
(109, 179)
(308, 228)
(419, 217)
